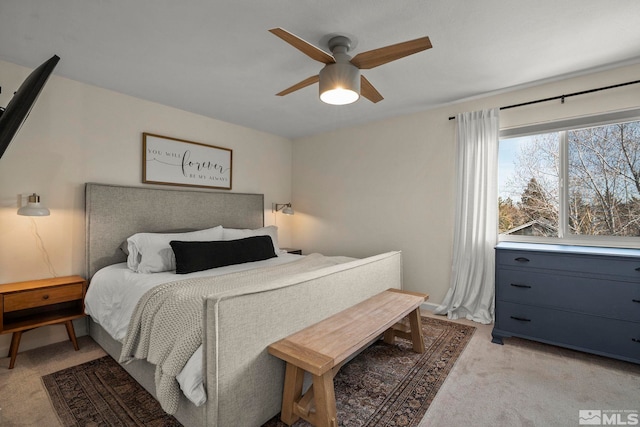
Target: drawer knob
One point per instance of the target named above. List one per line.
(45, 297)
(517, 285)
(522, 259)
(635, 340)
(522, 319)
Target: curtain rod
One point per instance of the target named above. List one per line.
(562, 97)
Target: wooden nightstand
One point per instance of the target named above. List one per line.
(34, 303)
(293, 251)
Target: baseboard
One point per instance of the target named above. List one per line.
(429, 306)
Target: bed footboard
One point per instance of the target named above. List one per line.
(244, 383)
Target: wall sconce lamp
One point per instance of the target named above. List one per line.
(284, 207)
(34, 207)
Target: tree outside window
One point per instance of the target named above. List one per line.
(601, 166)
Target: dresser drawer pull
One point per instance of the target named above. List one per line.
(638, 269)
(522, 319)
(517, 285)
(636, 300)
(522, 259)
(45, 296)
(635, 340)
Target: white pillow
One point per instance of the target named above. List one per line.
(238, 233)
(151, 252)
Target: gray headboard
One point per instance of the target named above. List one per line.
(114, 213)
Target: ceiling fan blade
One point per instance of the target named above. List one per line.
(306, 82)
(376, 57)
(303, 46)
(368, 91)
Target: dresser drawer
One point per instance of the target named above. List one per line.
(615, 299)
(41, 297)
(581, 332)
(581, 264)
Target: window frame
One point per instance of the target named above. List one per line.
(562, 127)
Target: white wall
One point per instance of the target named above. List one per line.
(390, 185)
(79, 133)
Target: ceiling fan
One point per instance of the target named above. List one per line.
(340, 80)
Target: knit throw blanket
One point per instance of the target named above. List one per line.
(166, 327)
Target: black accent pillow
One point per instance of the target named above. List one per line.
(198, 256)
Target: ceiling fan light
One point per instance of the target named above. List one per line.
(339, 84)
(339, 96)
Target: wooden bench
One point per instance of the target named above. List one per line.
(323, 348)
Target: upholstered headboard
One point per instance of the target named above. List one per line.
(115, 212)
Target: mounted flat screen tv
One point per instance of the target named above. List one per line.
(16, 113)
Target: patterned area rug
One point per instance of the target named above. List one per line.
(391, 385)
(102, 393)
(383, 386)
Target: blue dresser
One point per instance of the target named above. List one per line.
(584, 298)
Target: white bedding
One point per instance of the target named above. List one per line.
(115, 291)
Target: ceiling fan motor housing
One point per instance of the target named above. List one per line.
(341, 74)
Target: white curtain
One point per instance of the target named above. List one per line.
(471, 294)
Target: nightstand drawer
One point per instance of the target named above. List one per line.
(42, 297)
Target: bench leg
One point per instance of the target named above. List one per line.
(389, 336)
(412, 332)
(325, 398)
(416, 331)
(293, 378)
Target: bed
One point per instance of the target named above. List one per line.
(242, 382)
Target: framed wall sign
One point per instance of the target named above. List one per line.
(172, 161)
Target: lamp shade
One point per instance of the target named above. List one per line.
(288, 210)
(285, 208)
(34, 207)
(339, 83)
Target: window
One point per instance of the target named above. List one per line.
(574, 184)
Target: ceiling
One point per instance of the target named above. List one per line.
(216, 57)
